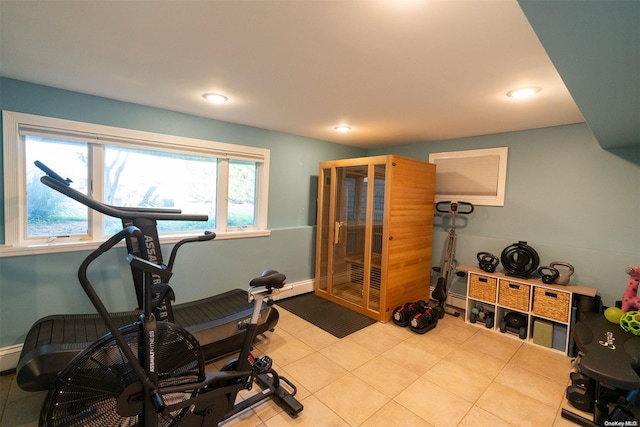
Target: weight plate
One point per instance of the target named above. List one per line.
(520, 260)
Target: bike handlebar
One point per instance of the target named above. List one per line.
(453, 207)
(55, 181)
(208, 235)
(51, 173)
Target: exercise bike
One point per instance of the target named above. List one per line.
(449, 265)
(53, 341)
(151, 373)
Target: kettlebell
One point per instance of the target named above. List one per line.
(564, 276)
(548, 274)
(487, 261)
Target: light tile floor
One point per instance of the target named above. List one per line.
(386, 376)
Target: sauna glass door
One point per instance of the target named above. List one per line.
(349, 233)
(351, 229)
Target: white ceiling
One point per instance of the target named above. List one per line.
(397, 71)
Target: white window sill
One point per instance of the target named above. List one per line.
(13, 251)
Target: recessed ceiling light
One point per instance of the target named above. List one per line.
(342, 128)
(216, 98)
(524, 92)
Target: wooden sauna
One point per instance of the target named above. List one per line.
(374, 233)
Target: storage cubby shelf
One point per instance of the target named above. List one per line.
(546, 308)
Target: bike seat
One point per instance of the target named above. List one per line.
(270, 279)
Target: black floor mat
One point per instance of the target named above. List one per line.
(328, 316)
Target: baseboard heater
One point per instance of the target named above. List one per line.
(456, 300)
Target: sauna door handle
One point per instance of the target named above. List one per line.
(336, 231)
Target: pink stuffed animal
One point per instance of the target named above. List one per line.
(630, 299)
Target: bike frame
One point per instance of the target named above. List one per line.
(449, 264)
(207, 392)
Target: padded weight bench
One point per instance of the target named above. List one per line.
(609, 356)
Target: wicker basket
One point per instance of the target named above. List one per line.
(514, 295)
(551, 304)
(482, 288)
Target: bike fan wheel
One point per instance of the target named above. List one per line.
(100, 388)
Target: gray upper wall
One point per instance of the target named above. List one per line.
(595, 46)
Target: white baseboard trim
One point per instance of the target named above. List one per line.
(455, 300)
(305, 286)
(9, 357)
(298, 288)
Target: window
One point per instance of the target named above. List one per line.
(472, 176)
(241, 210)
(122, 167)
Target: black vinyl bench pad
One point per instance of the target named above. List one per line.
(611, 355)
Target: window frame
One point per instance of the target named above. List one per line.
(97, 136)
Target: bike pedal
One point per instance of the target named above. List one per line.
(262, 365)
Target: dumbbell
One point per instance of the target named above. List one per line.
(438, 312)
(402, 314)
(423, 321)
(475, 314)
(489, 320)
(581, 392)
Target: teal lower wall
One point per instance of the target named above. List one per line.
(207, 269)
(37, 286)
